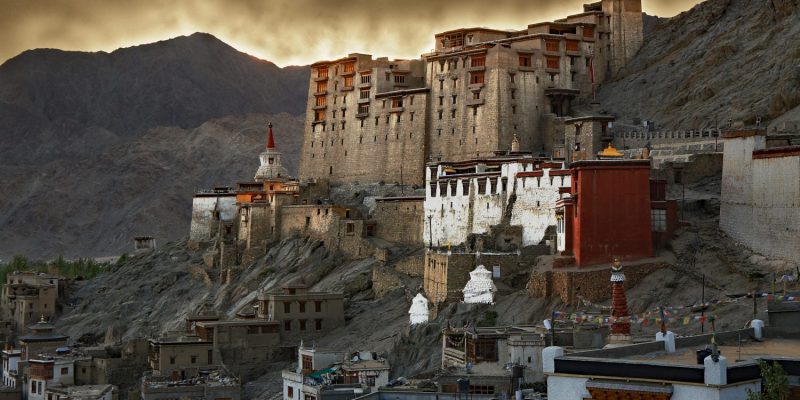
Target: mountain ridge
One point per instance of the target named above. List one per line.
(82, 131)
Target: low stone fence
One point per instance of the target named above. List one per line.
(591, 285)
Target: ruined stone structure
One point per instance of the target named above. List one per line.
(472, 197)
(213, 211)
(760, 205)
(470, 97)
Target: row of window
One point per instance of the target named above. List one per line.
(303, 324)
(287, 305)
(347, 68)
(322, 86)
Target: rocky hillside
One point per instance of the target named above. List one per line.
(98, 147)
(151, 294)
(723, 59)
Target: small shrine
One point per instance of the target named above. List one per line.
(419, 311)
(271, 167)
(480, 289)
(621, 327)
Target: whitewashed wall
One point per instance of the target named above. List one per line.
(203, 213)
(451, 218)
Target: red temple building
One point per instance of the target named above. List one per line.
(614, 210)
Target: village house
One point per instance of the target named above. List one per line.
(300, 312)
(12, 375)
(333, 375)
(181, 357)
(241, 344)
(28, 297)
(42, 339)
(52, 370)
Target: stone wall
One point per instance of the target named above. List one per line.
(413, 266)
(760, 204)
(627, 28)
(594, 285)
(700, 139)
(207, 212)
(399, 220)
(317, 221)
(460, 207)
(384, 280)
(369, 139)
(775, 228)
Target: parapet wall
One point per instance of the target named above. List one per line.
(400, 220)
(635, 139)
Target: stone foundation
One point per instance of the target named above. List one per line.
(594, 286)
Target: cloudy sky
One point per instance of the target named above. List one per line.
(283, 31)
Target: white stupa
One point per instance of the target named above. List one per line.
(480, 288)
(271, 167)
(419, 312)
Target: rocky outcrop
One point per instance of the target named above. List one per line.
(721, 60)
(100, 147)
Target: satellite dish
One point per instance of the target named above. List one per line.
(547, 324)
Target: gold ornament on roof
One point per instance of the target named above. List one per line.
(610, 152)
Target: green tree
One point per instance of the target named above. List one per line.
(774, 383)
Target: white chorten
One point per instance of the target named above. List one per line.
(480, 288)
(271, 167)
(419, 312)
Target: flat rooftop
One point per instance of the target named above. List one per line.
(748, 351)
(83, 391)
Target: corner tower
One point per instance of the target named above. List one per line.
(271, 167)
(624, 21)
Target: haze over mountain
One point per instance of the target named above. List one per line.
(99, 147)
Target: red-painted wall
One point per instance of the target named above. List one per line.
(611, 217)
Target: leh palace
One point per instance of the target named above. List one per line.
(491, 156)
(471, 225)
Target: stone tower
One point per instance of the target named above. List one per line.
(624, 19)
(271, 167)
(621, 328)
